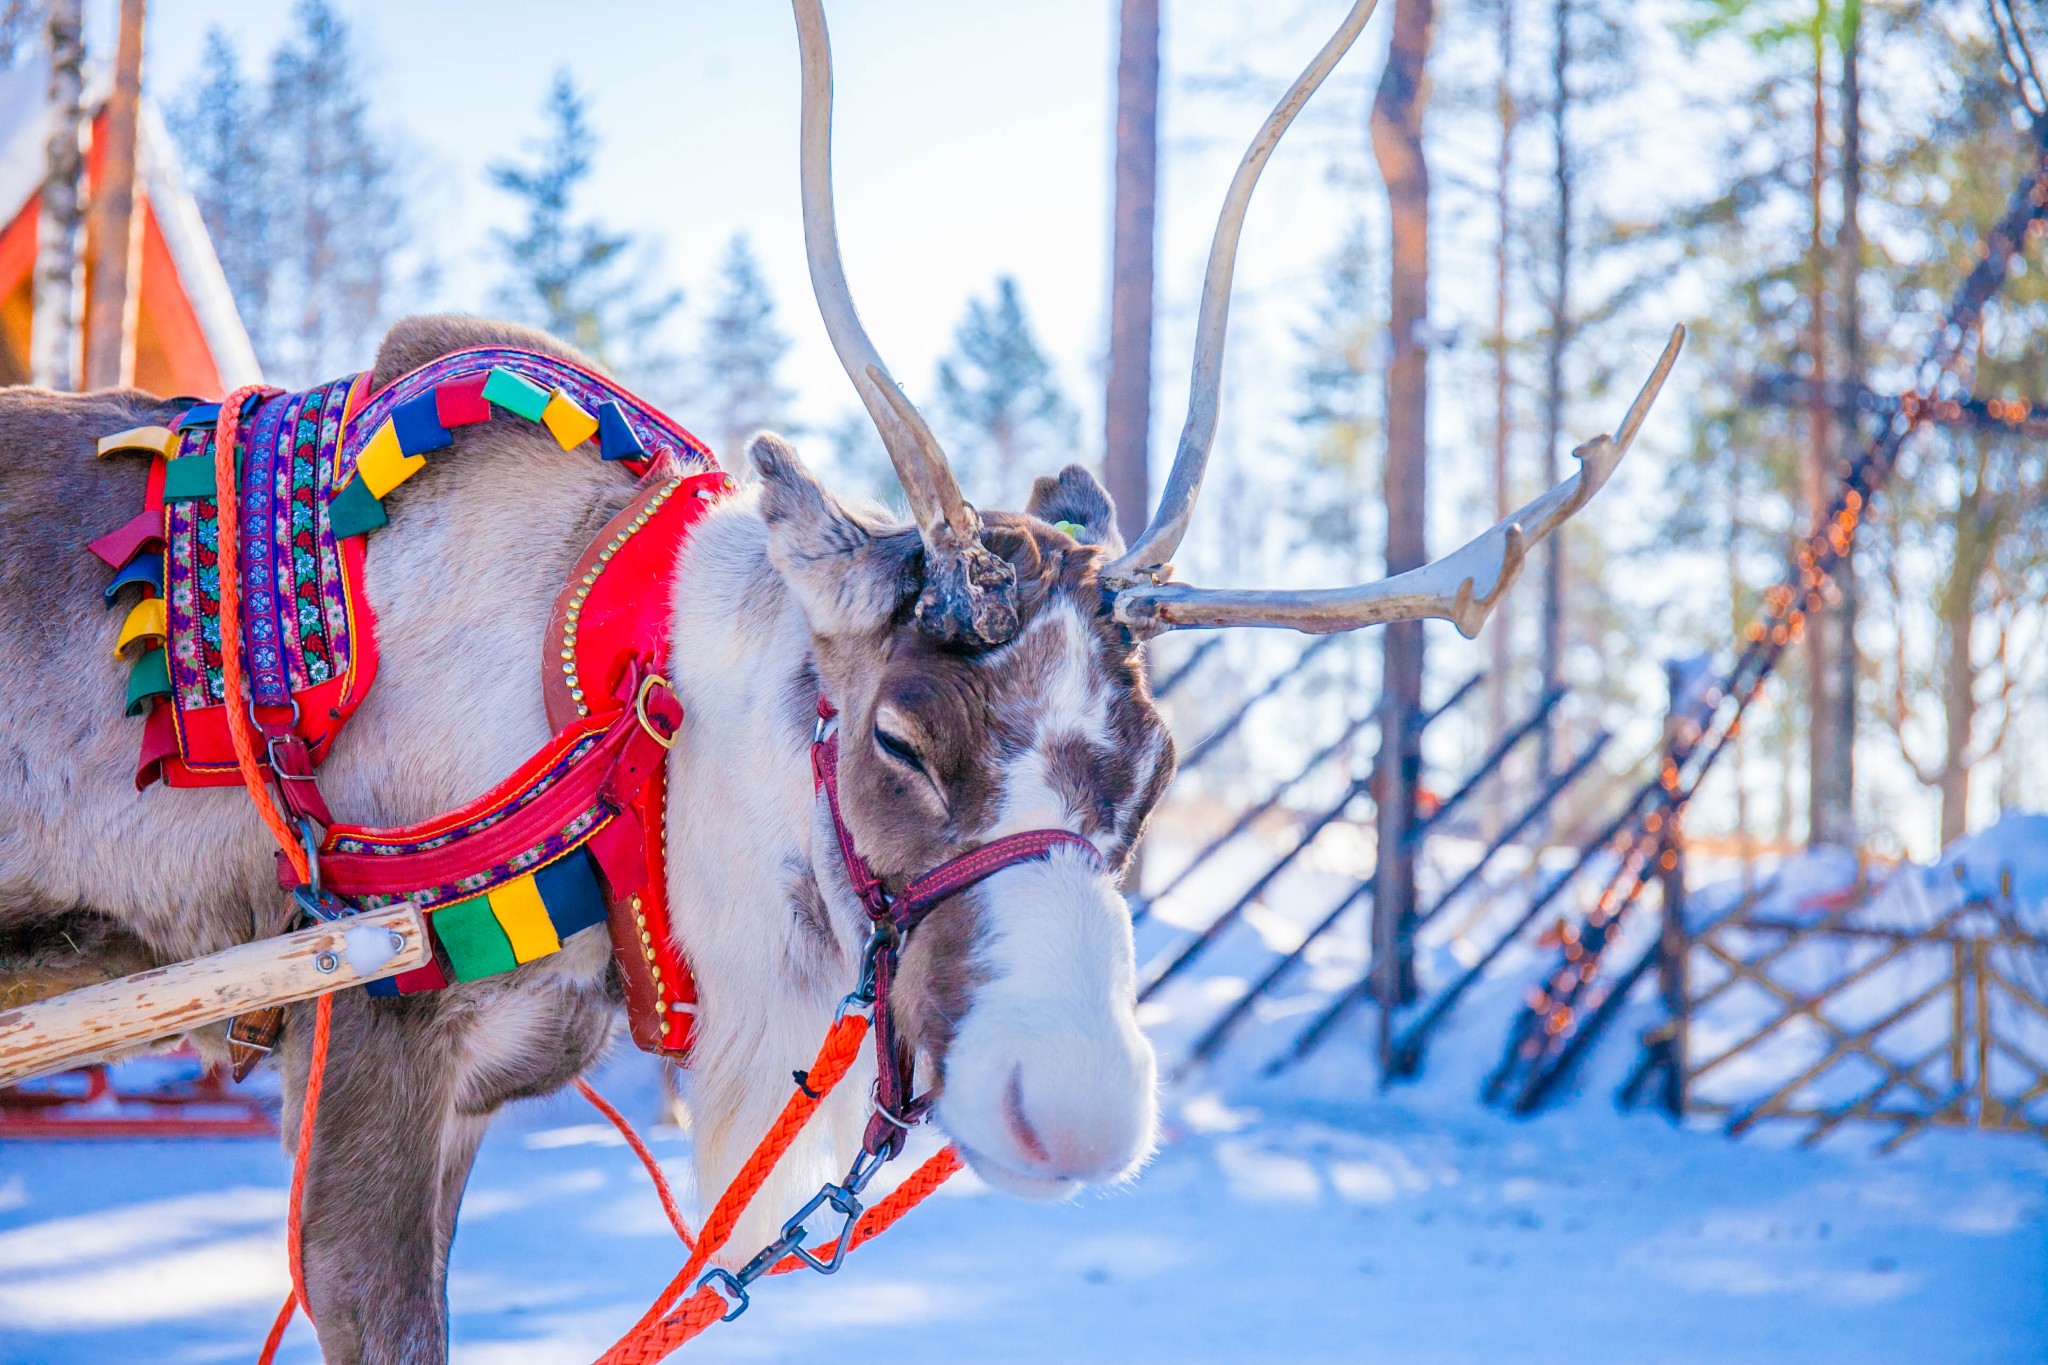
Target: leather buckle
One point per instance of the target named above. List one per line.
(647, 685)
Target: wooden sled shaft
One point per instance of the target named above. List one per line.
(82, 1025)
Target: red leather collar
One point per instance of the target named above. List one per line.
(613, 618)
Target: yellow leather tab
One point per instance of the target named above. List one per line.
(566, 418)
(146, 620)
(156, 440)
(520, 912)
(384, 465)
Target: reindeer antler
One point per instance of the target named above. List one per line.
(1444, 588)
(1177, 503)
(970, 592)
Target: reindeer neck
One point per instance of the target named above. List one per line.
(745, 894)
(742, 809)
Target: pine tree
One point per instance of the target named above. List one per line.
(1960, 544)
(739, 363)
(565, 274)
(340, 217)
(1338, 414)
(1006, 417)
(219, 127)
(19, 22)
(857, 464)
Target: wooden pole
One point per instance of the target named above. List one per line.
(1672, 944)
(113, 237)
(82, 1025)
(1396, 127)
(59, 291)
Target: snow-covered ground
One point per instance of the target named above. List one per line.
(1307, 1218)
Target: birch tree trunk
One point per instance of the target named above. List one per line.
(1553, 372)
(1830, 650)
(60, 266)
(1833, 663)
(1503, 492)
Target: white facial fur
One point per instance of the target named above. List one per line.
(1049, 1082)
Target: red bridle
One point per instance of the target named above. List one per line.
(894, 916)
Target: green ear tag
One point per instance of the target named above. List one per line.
(1070, 528)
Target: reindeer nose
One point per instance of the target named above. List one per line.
(1062, 1126)
(1021, 1132)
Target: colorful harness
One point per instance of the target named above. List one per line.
(574, 837)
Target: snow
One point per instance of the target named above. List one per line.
(1311, 1217)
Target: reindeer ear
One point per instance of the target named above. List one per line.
(849, 573)
(1078, 505)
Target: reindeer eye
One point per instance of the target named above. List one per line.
(898, 749)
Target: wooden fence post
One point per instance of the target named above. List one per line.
(1673, 943)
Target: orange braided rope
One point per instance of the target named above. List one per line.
(235, 698)
(937, 1169)
(660, 1331)
(706, 1306)
(835, 1056)
(242, 730)
(294, 1235)
(633, 1140)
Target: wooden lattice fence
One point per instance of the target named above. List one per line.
(1836, 1018)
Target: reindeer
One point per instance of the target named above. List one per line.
(989, 675)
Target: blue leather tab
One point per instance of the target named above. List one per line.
(144, 568)
(384, 987)
(198, 415)
(418, 426)
(571, 892)
(616, 439)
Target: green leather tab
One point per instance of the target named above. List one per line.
(514, 394)
(476, 945)
(354, 510)
(188, 477)
(149, 676)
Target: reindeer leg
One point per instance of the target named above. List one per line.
(411, 1086)
(375, 1248)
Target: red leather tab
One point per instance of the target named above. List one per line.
(460, 402)
(621, 852)
(644, 751)
(159, 742)
(428, 976)
(153, 487)
(118, 547)
(291, 763)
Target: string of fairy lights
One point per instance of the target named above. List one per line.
(1540, 1044)
(2004, 416)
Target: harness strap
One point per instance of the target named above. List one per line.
(634, 742)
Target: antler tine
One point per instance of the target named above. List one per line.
(1177, 502)
(969, 592)
(1445, 589)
